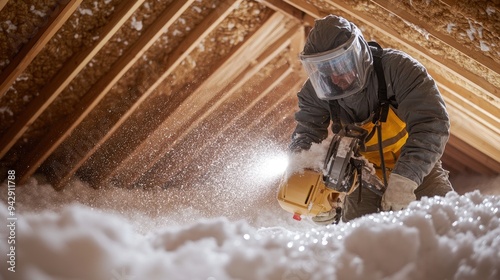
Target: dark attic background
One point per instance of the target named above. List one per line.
(176, 93)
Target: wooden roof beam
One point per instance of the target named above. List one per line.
(289, 10)
(307, 8)
(474, 153)
(29, 51)
(64, 76)
(3, 3)
(453, 164)
(296, 46)
(295, 83)
(474, 133)
(278, 76)
(264, 89)
(471, 109)
(286, 91)
(30, 163)
(278, 119)
(406, 16)
(473, 105)
(282, 127)
(188, 110)
(288, 126)
(181, 116)
(282, 7)
(238, 131)
(202, 30)
(186, 122)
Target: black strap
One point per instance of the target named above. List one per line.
(334, 107)
(381, 152)
(383, 107)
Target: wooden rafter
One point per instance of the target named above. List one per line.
(458, 156)
(287, 9)
(29, 164)
(274, 116)
(470, 131)
(284, 8)
(127, 178)
(292, 83)
(474, 153)
(283, 127)
(296, 46)
(185, 113)
(62, 79)
(406, 16)
(178, 55)
(482, 114)
(36, 44)
(260, 121)
(276, 78)
(3, 3)
(307, 8)
(184, 109)
(287, 125)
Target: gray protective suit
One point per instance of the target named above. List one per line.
(420, 106)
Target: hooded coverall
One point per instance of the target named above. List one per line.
(420, 107)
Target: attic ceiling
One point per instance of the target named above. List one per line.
(168, 93)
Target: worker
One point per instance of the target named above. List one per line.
(343, 89)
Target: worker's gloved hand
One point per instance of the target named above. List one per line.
(327, 218)
(399, 193)
(333, 216)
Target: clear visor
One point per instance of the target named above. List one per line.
(339, 72)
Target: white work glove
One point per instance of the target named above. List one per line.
(327, 218)
(399, 193)
(333, 216)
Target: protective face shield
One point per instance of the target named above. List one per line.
(340, 72)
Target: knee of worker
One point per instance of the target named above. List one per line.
(436, 183)
(354, 207)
